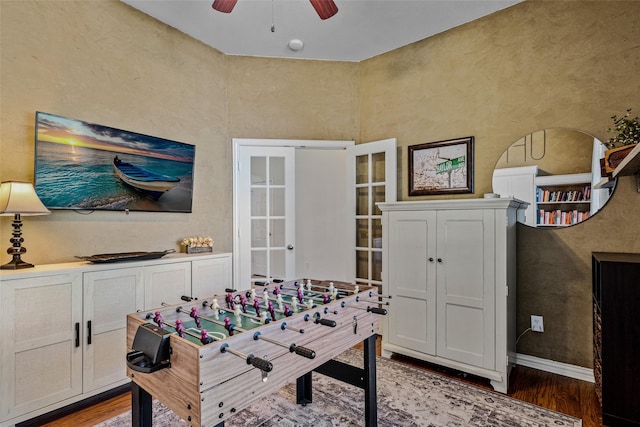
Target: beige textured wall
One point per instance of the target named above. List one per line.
(107, 63)
(539, 64)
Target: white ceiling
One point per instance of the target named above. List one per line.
(360, 30)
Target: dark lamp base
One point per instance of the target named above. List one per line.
(15, 264)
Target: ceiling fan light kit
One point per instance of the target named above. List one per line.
(324, 8)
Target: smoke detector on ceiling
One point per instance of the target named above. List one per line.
(296, 44)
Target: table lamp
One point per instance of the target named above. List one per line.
(19, 198)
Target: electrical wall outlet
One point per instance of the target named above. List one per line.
(536, 324)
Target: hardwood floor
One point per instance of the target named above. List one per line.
(555, 392)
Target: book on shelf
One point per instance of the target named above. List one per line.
(560, 217)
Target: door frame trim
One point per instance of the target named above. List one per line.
(264, 142)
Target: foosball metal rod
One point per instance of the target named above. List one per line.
(291, 328)
(321, 299)
(299, 350)
(358, 299)
(225, 311)
(374, 310)
(379, 296)
(171, 325)
(208, 319)
(348, 291)
(262, 364)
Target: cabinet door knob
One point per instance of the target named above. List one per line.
(439, 259)
(430, 259)
(290, 247)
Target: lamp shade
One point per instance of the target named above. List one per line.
(17, 197)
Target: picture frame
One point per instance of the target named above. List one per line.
(441, 167)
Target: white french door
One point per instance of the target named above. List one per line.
(266, 224)
(372, 179)
(265, 215)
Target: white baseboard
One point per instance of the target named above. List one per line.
(560, 368)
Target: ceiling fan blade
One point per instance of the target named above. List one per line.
(325, 8)
(224, 6)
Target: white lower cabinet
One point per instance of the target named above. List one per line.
(63, 327)
(449, 267)
(41, 346)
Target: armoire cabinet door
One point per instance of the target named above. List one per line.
(466, 286)
(412, 274)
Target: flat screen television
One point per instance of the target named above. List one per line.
(86, 166)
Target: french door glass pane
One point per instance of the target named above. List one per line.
(276, 202)
(258, 233)
(362, 264)
(258, 264)
(276, 170)
(277, 263)
(258, 170)
(258, 201)
(376, 266)
(362, 233)
(362, 201)
(378, 163)
(362, 169)
(276, 233)
(376, 231)
(378, 197)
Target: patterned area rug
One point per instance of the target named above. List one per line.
(406, 397)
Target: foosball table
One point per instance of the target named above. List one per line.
(208, 359)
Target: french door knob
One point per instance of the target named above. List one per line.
(290, 247)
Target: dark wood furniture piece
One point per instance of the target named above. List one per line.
(616, 334)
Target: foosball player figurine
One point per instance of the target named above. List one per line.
(229, 326)
(196, 316)
(180, 328)
(272, 311)
(205, 338)
(158, 319)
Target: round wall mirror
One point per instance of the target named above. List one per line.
(557, 171)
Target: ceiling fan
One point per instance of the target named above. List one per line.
(325, 8)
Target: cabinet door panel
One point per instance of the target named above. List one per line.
(466, 287)
(108, 297)
(210, 276)
(41, 364)
(412, 280)
(166, 283)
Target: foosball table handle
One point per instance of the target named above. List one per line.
(377, 310)
(327, 322)
(262, 364)
(302, 351)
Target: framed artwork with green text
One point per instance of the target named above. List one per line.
(442, 167)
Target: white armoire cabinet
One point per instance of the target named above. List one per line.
(450, 268)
